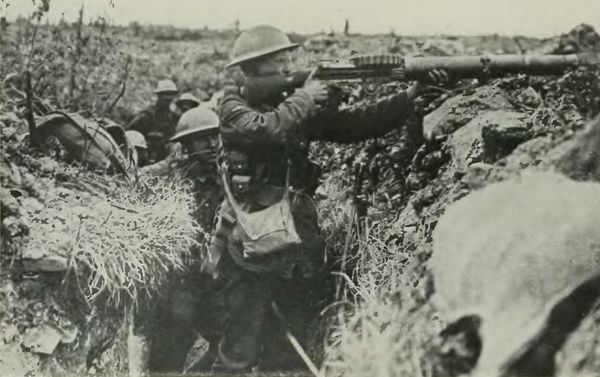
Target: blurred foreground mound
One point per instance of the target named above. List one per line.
(517, 267)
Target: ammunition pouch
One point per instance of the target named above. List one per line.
(240, 185)
(237, 162)
(238, 168)
(267, 230)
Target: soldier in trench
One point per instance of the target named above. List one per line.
(264, 151)
(195, 146)
(191, 308)
(138, 142)
(185, 102)
(157, 122)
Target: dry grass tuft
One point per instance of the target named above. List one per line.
(388, 328)
(335, 213)
(120, 245)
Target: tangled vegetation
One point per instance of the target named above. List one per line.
(122, 243)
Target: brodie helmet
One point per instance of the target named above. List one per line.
(189, 97)
(166, 86)
(136, 139)
(257, 42)
(196, 120)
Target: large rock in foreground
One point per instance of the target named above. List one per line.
(521, 259)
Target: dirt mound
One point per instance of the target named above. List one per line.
(79, 251)
(582, 38)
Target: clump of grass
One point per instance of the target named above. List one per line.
(387, 327)
(120, 242)
(336, 215)
(382, 339)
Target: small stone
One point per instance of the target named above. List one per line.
(42, 339)
(481, 174)
(433, 161)
(47, 263)
(487, 137)
(10, 204)
(48, 165)
(196, 354)
(502, 136)
(416, 181)
(9, 333)
(69, 333)
(14, 227)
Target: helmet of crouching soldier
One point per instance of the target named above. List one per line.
(166, 87)
(196, 131)
(140, 147)
(186, 102)
(258, 42)
(198, 121)
(136, 139)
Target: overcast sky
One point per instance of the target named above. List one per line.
(525, 17)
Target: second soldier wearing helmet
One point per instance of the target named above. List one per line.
(157, 122)
(195, 146)
(197, 132)
(265, 147)
(190, 302)
(185, 102)
(140, 147)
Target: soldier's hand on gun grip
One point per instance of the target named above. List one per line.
(316, 89)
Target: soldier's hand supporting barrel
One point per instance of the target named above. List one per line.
(436, 77)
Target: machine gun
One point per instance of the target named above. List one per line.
(400, 68)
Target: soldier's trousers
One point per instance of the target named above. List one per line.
(252, 333)
(293, 279)
(193, 304)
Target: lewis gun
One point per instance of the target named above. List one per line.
(400, 68)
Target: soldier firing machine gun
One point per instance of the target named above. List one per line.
(371, 68)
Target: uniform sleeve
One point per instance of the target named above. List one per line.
(243, 126)
(362, 122)
(138, 123)
(168, 165)
(162, 167)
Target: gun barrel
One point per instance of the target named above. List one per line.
(495, 65)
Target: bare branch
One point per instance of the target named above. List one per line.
(123, 87)
(33, 134)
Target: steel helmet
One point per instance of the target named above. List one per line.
(136, 139)
(259, 41)
(166, 86)
(197, 120)
(187, 97)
